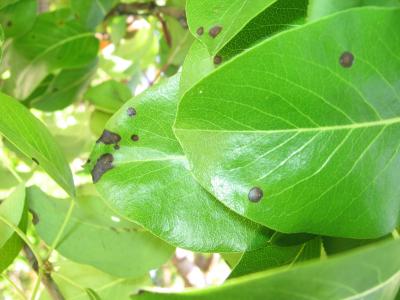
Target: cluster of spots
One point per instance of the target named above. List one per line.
(125, 229)
(103, 164)
(255, 194)
(346, 59)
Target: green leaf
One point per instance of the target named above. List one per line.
(10, 250)
(56, 41)
(18, 18)
(273, 256)
(282, 15)
(75, 280)
(98, 120)
(337, 245)
(12, 210)
(321, 144)
(63, 89)
(150, 183)
(5, 3)
(109, 95)
(97, 236)
(32, 138)
(230, 16)
(363, 274)
(318, 9)
(91, 13)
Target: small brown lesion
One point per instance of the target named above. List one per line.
(214, 31)
(200, 31)
(109, 138)
(346, 59)
(103, 164)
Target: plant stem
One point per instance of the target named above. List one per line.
(62, 228)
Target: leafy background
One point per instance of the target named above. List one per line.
(133, 131)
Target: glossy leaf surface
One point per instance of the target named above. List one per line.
(320, 145)
(34, 140)
(331, 279)
(230, 16)
(150, 183)
(96, 236)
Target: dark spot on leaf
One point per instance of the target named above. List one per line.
(103, 164)
(346, 59)
(35, 161)
(255, 194)
(135, 137)
(200, 30)
(217, 59)
(114, 229)
(116, 147)
(214, 31)
(109, 138)
(9, 23)
(35, 217)
(54, 90)
(131, 111)
(183, 21)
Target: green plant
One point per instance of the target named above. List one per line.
(265, 131)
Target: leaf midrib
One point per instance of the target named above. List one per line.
(377, 123)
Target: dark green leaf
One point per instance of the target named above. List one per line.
(5, 3)
(18, 18)
(317, 138)
(318, 9)
(363, 274)
(33, 139)
(336, 245)
(96, 236)
(56, 41)
(223, 17)
(273, 256)
(109, 95)
(150, 183)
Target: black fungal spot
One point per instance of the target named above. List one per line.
(103, 164)
(117, 147)
(214, 31)
(200, 30)
(131, 111)
(135, 137)
(109, 138)
(217, 59)
(35, 217)
(35, 161)
(346, 59)
(255, 194)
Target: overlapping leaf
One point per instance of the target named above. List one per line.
(312, 120)
(56, 41)
(147, 178)
(95, 236)
(363, 274)
(34, 140)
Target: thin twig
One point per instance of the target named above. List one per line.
(45, 278)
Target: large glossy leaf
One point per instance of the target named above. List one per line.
(147, 179)
(273, 256)
(56, 41)
(282, 15)
(314, 151)
(318, 9)
(218, 21)
(33, 139)
(96, 236)
(18, 18)
(12, 210)
(363, 274)
(81, 282)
